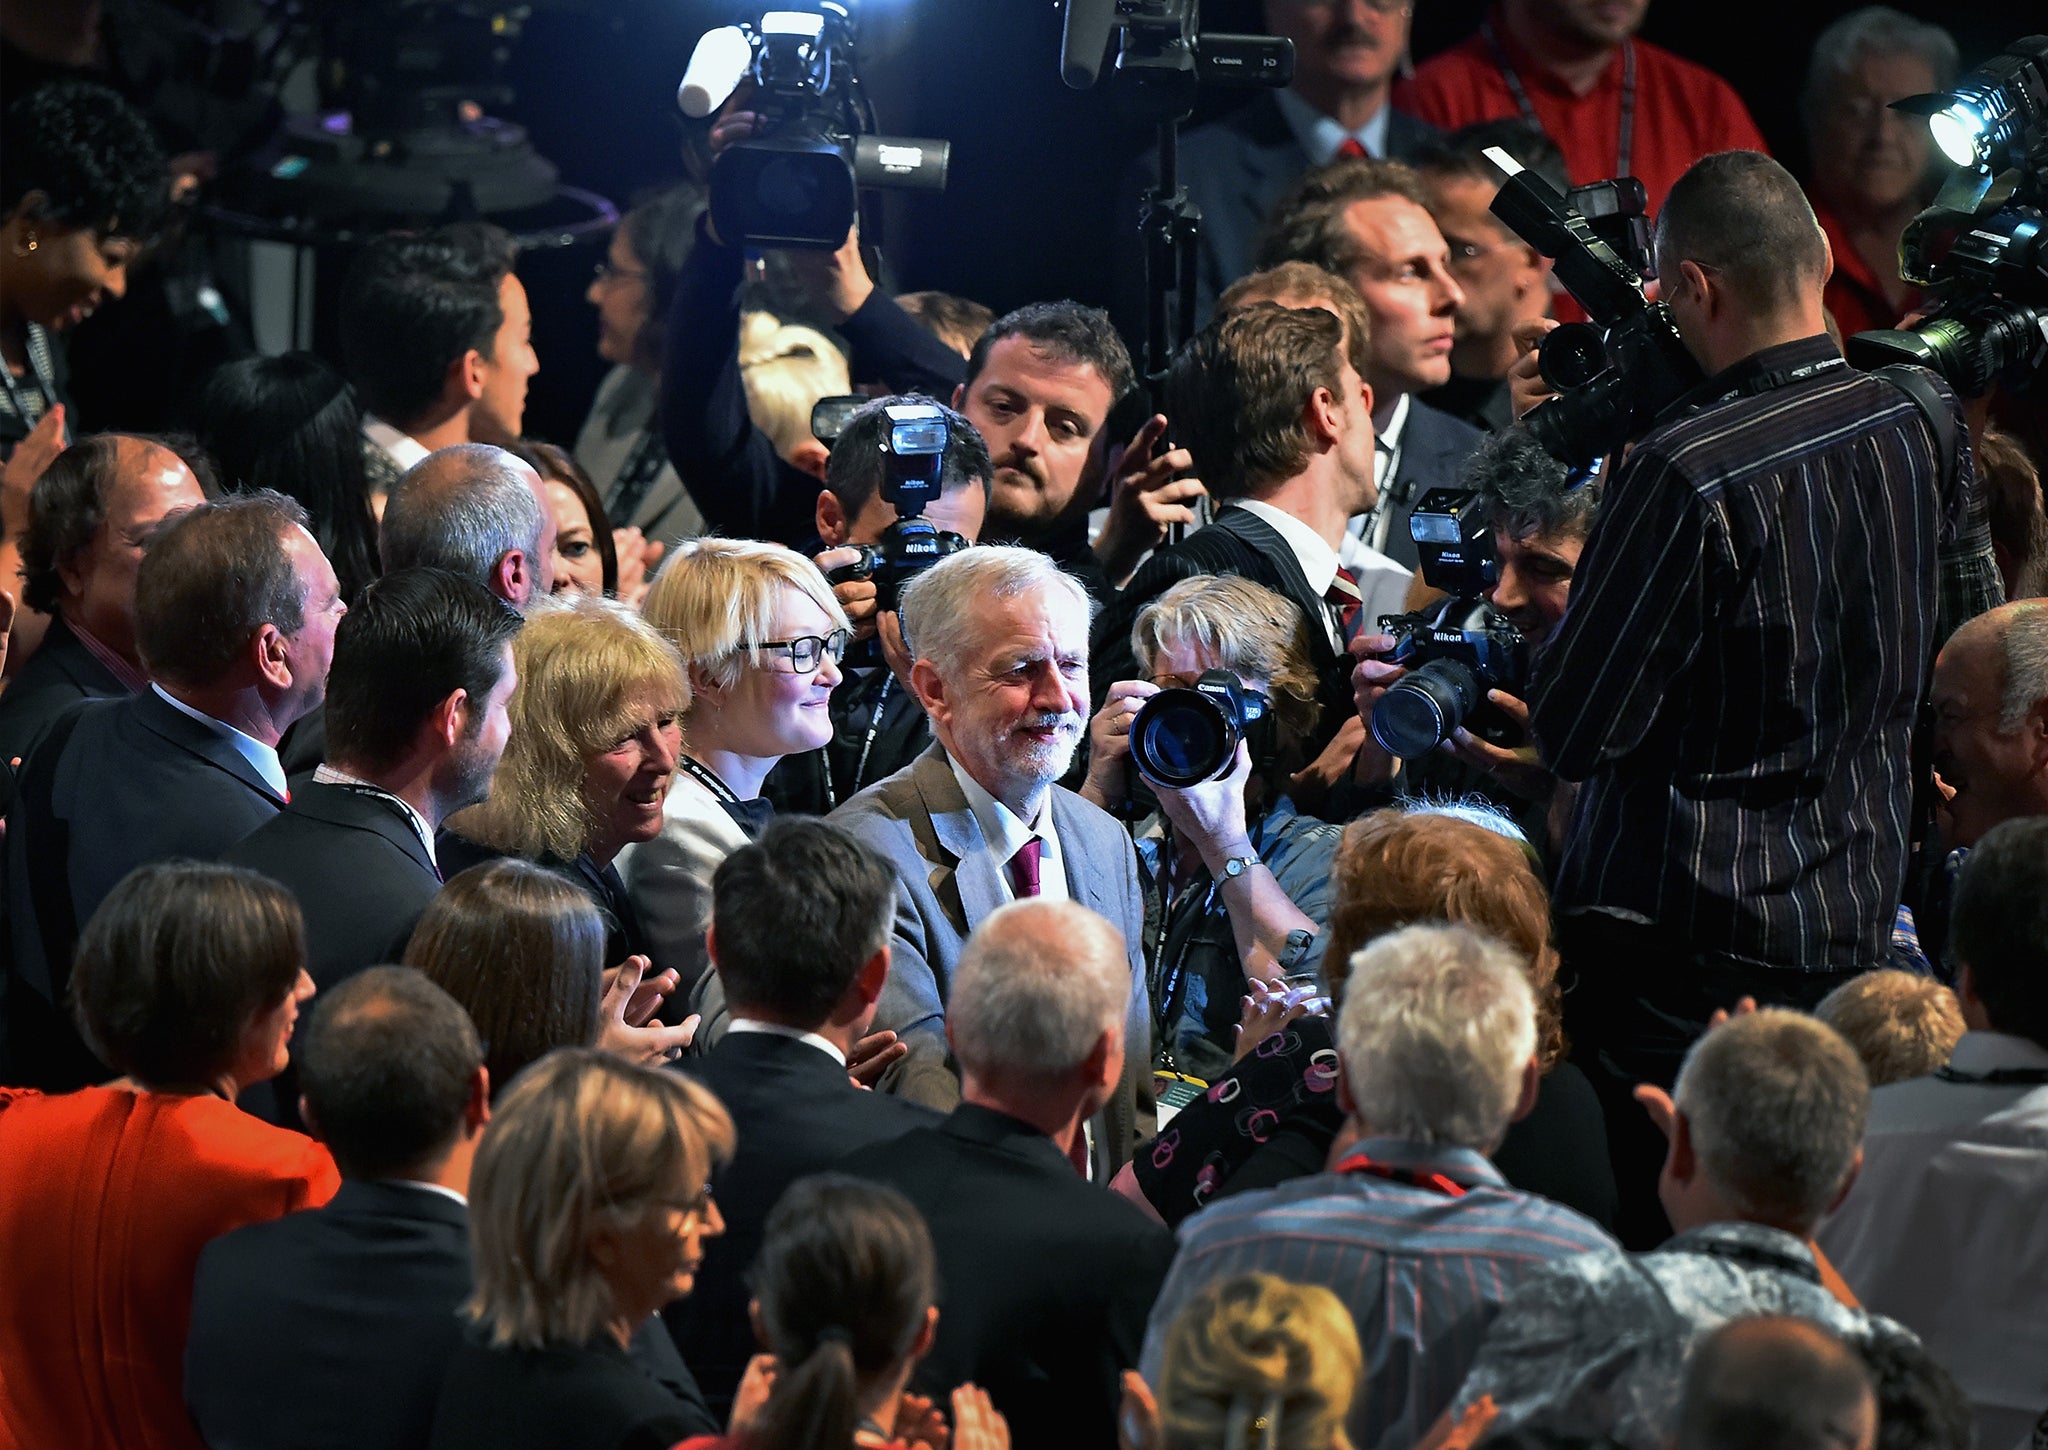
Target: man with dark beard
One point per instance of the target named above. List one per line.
(415, 724)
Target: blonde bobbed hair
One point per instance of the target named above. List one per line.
(1256, 1363)
(715, 601)
(591, 674)
(582, 1141)
(1248, 628)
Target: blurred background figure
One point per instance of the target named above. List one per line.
(1903, 1026)
(1776, 1381)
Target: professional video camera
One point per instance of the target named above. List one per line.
(1981, 250)
(1615, 374)
(1458, 650)
(1184, 736)
(914, 467)
(796, 183)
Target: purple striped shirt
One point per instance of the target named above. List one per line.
(1422, 1272)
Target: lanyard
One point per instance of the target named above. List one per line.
(1528, 107)
(1753, 1256)
(1996, 1077)
(1394, 1172)
(867, 745)
(708, 778)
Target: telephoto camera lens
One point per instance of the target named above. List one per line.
(1182, 737)
(1426, 708)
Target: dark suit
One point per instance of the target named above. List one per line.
(332, 1327)
(1236, 171)
(1434, 447)
(595, 1396)
(795, 1113)
(114, 784)
(1240, 542)
(1045, 1281)
(57, 676)
(947, 883)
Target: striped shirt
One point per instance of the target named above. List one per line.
(1736, 678)
(1421, 1271)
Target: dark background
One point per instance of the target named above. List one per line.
(1035, 205)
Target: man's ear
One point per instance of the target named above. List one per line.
(711, 944)
(833, 524)
(1681, 1159)
(1848, 1181)
(930, 689)
(1704, 286)
(477, 1111)
(1323, 416)
(468, 376)
(959, 397)
(1525, 1100)
(510, 578)
(873, 974)
(271, 651)
(448, 721)
(1346, 1104)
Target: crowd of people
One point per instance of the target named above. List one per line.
(867, 904)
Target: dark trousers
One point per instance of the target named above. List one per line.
(1636, 999)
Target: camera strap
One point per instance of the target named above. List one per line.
(1527, 107)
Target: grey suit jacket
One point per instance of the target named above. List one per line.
(947, 883)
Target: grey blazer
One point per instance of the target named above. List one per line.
(947, 883)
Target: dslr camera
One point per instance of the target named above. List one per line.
(1615, 374)
(1184, 736)
(1457, 650)
(796, 183)
(914, 464)
(1981, 250)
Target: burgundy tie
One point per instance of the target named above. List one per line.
(1024, 868)
(1353, 149)
(1345, 601)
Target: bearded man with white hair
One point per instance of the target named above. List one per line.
(999, 637)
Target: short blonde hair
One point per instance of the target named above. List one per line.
(1902, 1026)
(715, 600)
(1248, 628)
(785, 370)
(591, 673)
(1254, 1347)
(1434, 1035)
(580, 1142)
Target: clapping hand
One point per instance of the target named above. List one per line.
(631, 998)
(872, 1056)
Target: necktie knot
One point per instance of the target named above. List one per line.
(1345, 600)
(1351, 148)
(1024, 868)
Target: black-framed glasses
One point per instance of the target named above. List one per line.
(607, 270)
(807, 651)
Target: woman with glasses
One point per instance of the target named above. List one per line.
(588, 1209)
(762, 636)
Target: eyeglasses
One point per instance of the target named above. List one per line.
(694, 1210)
(807, 652)
(608, 271)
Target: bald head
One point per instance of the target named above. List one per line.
(1990, 701)
(476, 511)
(1776, 1383)
(1038, 986)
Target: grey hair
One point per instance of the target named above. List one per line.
(2023, 644)
(1038, 984)
(1880, 29)
(1437, 1026)
(939, 616)
(1777, 1102)
(461, 508)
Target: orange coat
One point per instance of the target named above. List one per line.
(106, 1198)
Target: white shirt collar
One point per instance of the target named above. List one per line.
(776, 1029)
(1321, 135)
(326, 774)
(1387, 441)
(1005, 833)
(405, 450)
(262, 756)
(1317, 559)
(441, 1188)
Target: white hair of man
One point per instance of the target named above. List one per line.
(939, 616)
(1776, 1102)
(1437, 1028)
(461, 508)
(1038, 985)
(2023, 644)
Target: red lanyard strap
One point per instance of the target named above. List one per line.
(1394, 1172)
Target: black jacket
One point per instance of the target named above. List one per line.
(113, 785)
(589, 1397)
(1434, 447)
(57, 676)
(1046, 1280)
(795, 1113)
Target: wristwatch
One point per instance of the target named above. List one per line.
(1236, 866)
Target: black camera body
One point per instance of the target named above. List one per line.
(914, 455)
(1184, 736)
(1981, 250)
(1457, 650)
(797, 181)
(1618, 373)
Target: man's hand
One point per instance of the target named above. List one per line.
(872, 1056)
(1144, 499)
(629, 1002)
(25, 465)
(638, 557)
(1518, 770)
(856, 596)
(1657, 1102)
(1351, 752)
(1526, 387)
(837, 281)
(1371, 678)
(1109, 740)
(1210, 817)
